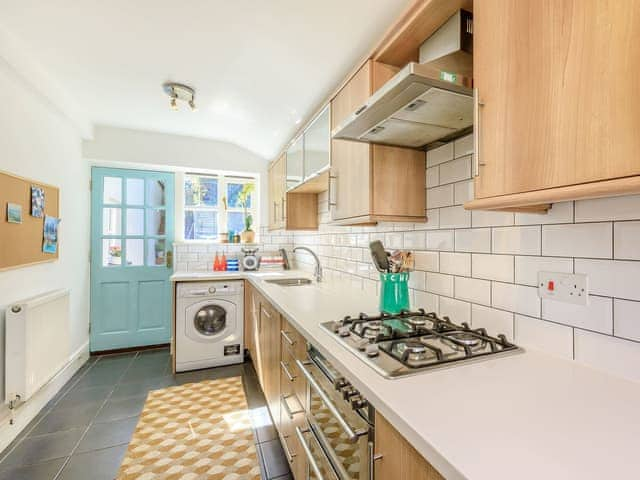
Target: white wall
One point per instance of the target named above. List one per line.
(38, 142)
(125, 148)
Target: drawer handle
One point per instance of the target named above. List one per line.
(267, 314)
(290, 413)
(476, 132)
(308, 453)
(285, 368)
(287, 338)
(287, 452)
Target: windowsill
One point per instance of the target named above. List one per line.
(214, 242)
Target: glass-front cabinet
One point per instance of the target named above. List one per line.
(295, 162)
(317, 145)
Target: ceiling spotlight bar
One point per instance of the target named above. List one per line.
(179, 91)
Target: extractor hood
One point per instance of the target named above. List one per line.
(420, 105)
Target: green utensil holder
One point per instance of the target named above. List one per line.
(394, 292)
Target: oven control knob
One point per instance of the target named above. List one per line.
(344, 332)
(349, 392)
(358, 402)
(340, 383)
(372, 350)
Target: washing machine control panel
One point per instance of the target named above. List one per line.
(206, 289)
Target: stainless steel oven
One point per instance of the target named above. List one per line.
(338, 438)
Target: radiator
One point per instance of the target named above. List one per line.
(37, 343)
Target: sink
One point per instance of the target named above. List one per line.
(290, 282)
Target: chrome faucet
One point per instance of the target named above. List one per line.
(318, 270)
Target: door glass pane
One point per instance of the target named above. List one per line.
(156, 255)
(135, 191)
(112, 190)
(200, 225)
(235, 222)
(156, 222)
(135, 252)
(111, 252)
(135, 221)
(200, 190)
(156, 192)
(111, 221)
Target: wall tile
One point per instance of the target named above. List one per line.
(455, 217)
(516, 240)
(439, 283)
(597, 316)
(456, 170)
(590, 240)
(516, 298)
(432, 223)
(481, 218)
(611, 278)
(463, 192)
(611, 354)
(627, 319)
(544, 336)
(606, 209)
(393, 240)
(626, 240)
(426, 300)
(458, 311)
(527, 268)
(559, 213)
(492, 267)
(440, 240)
(433, 177)
(455, 263)
(440, 196)
(473, 240)
(414, 240)
(463, 146)
(495, 321)
(440, 155)
(473, 290)
(428, 261)
(417, 280)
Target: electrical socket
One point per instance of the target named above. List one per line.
(564, 287)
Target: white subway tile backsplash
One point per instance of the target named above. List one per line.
(482, 218)
(456, 170)
(627, 319)
(611, 354)
(426, 300)
(439, 284)
(457, 310)
(527, 268)
(463, 146)
(544, 336)
(440, 240)
(393, 240)
(607, 209)
(428, 261)
(440, 196)
(440, 155)
(433, 220)
(597, 315)
(416, 280)
(473, 290)
(455, 263)
(516, 298)
(433, 177)
(611, 278)
(463, 192)
(516, 240)
(492, 267)
(495, 321)
(415, 240)
(558, 213)
(455, 217)
(590, 240)
(626, 240)
(473, 240)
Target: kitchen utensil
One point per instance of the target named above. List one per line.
(379, 256)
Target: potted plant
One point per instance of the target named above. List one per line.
(244, 198)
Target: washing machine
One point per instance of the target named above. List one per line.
(209, 324)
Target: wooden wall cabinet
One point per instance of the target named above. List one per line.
(556, 84)
(277, 188)
(371, 183)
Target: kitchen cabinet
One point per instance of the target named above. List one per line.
(371, 183)
(555, 85)
(396, 458)
(269, 342)
(295, 163)
(317, 145)
(277, 185)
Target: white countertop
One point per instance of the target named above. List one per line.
(526, 416)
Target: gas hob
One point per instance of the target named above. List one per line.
(412, 342)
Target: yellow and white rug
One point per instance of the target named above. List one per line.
(193, 431)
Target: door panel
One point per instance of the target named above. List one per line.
(132, 230)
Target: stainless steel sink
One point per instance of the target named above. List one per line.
(290, 282)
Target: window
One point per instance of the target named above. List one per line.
(213, 204)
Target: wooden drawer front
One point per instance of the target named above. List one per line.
(290, 443)
(292, 381)
(292, 340)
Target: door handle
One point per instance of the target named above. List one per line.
(332, 202)
(477, 104)
(170, 259)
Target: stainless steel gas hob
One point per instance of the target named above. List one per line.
(412, 342)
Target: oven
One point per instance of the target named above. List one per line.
(339, 433)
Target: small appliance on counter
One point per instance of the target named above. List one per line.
(250, 259)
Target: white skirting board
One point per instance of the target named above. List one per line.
(27, 411)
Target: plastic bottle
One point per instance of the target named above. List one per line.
(216, 263)
(223, 263)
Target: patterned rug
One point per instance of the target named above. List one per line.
(193, 431)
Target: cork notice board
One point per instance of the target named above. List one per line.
(21, 243)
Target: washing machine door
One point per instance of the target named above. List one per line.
(211, 320)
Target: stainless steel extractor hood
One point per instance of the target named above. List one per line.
(415, 108)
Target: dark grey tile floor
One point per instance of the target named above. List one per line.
(84, 431)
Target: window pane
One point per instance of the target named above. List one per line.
(200, 190)
(111, 252)
(235, 222)
(135, 191)
(112, 190)
(135, 221)
(111, 221)
(155, 222)
(156, 193)
(200, 225)
(135, 252)
(234, 197)
(156, 255)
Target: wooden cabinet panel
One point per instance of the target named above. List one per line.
(269, 339)
(277, 180)
(556, 79)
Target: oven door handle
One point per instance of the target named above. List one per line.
(308, 453)
(352, 434)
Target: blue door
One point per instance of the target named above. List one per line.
(132, 216)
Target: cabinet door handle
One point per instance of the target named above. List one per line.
(275, 211)
(285, 368)
(266, 313)
(287, 338)
(476, 132)
(333, 199)
(282, 208)
(285, 406)
(290, 456)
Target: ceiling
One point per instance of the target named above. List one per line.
(259, 67)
